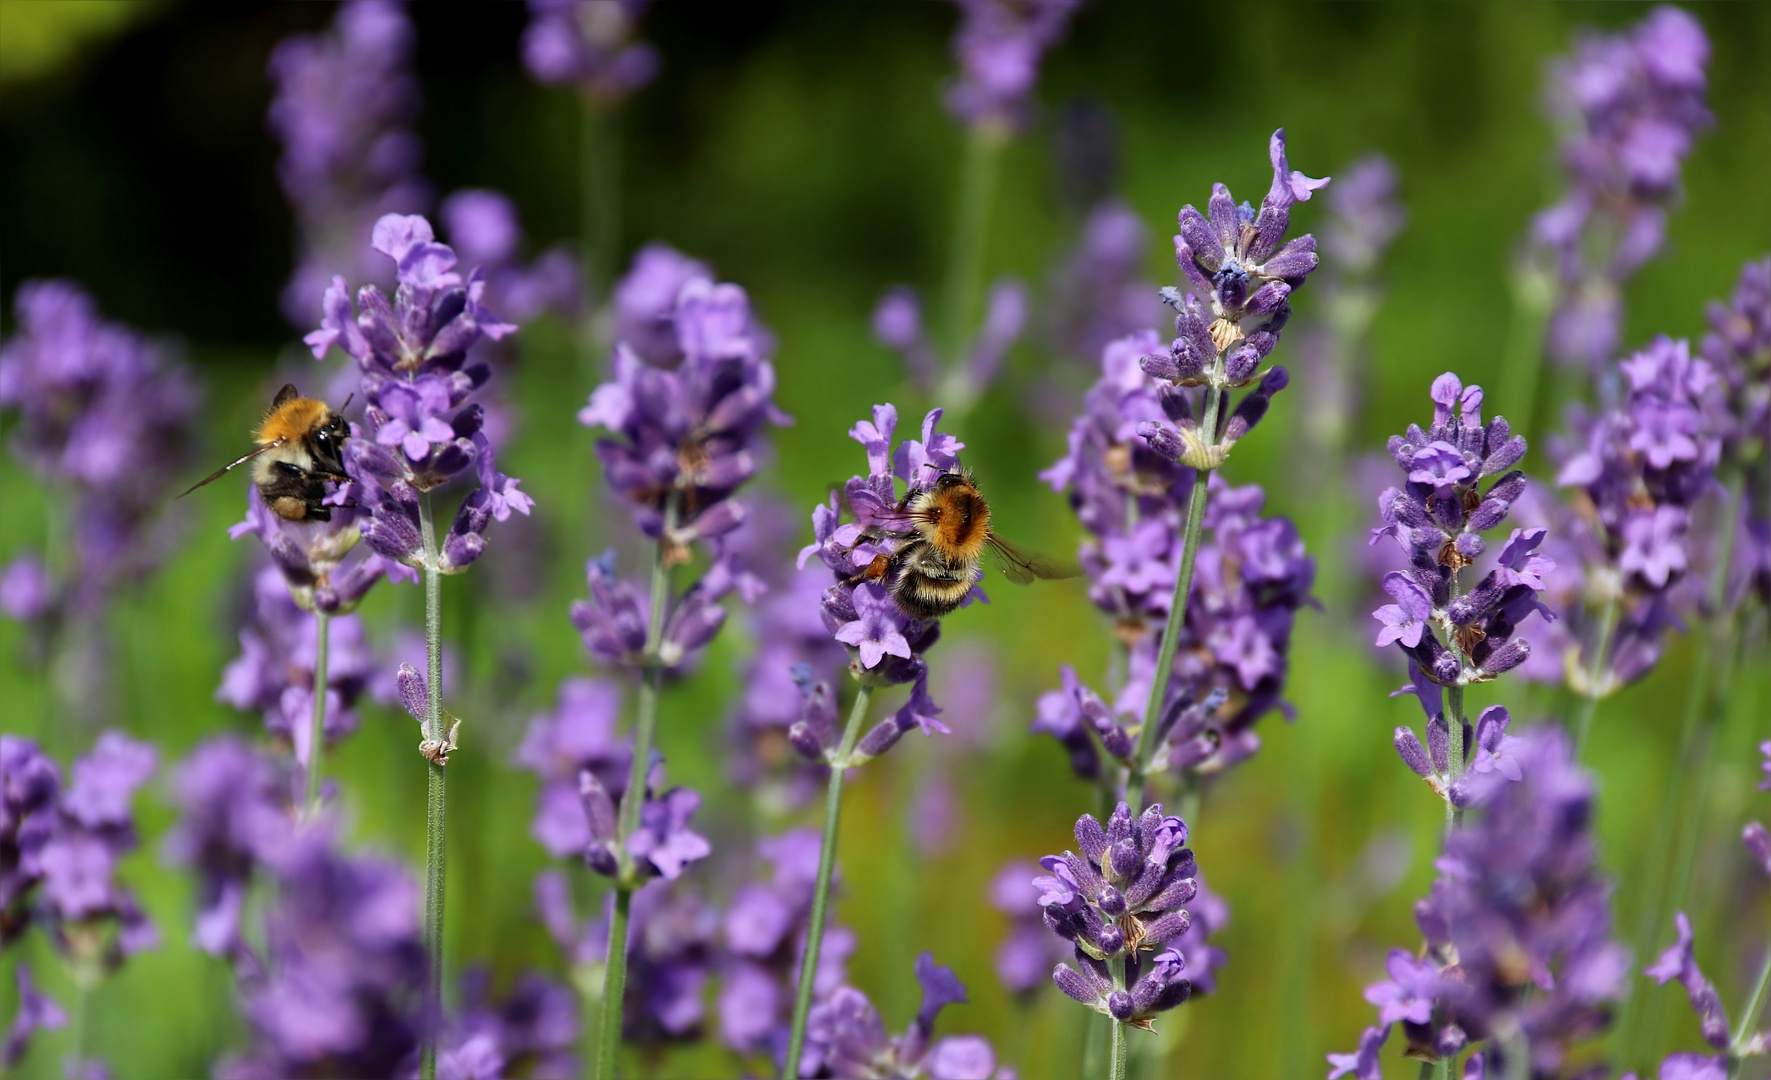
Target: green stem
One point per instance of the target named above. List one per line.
(1750, 1015)
(435, 836)
(1454, 703)
(599, 194)
(808, 967)
(1177, 608)
(965, 264)
(316, 738)
(77, 1023)
(1436, 1070)
(1116, 1052)
(645, 726)
(1590, 706)
(614, 987)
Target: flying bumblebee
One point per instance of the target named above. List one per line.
(300, 448)
(945, 531)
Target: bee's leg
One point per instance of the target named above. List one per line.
(875, 571)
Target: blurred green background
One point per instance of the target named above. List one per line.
(802, 149)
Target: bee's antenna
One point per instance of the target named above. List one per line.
(347, 401)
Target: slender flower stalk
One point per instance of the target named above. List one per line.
(316, 736)
(436, 791)
(808, 969)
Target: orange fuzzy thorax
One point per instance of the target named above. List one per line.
(292, 421)
(957, 522)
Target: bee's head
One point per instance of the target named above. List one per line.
(326, 443)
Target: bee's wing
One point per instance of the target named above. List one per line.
(1021, 566)
(225, 469)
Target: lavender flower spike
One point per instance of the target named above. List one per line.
(848, 1041)
(1122, 897)
(999, 45)
(588, 44)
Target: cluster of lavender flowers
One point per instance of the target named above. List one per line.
(59, 849)
(417, 376)
(274, 673)
(588, 44)
(485, 231)
(885, 644)
(1251, 577)
(847, 1040)
(1633, 104)
(1637, 472)
(90, 402)
(692, 395)
(344, 107)
(999, 45)
(1124, 896)
(1452, 636)
(1738, 408)
(1100, 294)
(1518, 952)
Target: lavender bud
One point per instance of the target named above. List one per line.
(1164, 440)
(1240, 363)
(1175, 405)
(1074, 986)
(1123, 860)
(883, 737)
(1162, 368)
(1111, 902)
(1119, 1003)
(1438, 745)
(802, 739)
(1253, 405)
(1471, 546)
(1168, 926)
(1490, 513)
(413, 692)
(1511, 654)
(1109, 938)
(1412, 753)
(600, 859)
(1508, 488)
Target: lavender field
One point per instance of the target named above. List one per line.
(769, 561)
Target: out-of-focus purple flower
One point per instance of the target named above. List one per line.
(1362, 1064)
(1519, 955)
(1025, 959)
(1632, 104)
(274, 673)
(1242, 279)
(1455, 634)
(1679, 962)
(35, 1012)
(533, 1030)
(414, 355)
(88, 401)
(59, 849)
(1738, 350)
(1123, 895)
(588, 44)
(764, 931)
(316, 557)
(662, 844)
(898, 325)
(577, 737)
(341, 989)
(846, 1039)
(645, 302)
(235, 816)
(343, 111)
(1364, 216)
(999, 45)
(1100, 293)
(483, 229)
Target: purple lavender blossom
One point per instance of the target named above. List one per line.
(236, 815)
(1453, 636)
(315, 557)
(1244, 279)
(61, 847)
(645, 302)
(885, 644)
(898, 325)
(1641, 471)
(417, 376)
(343, 974)
(343, 112)
(274, 673)
(999, 45)
(764, 931)
(1518, 956)
(88, 401)
(1679, 962)
(1632, 104)
(589, 44)
(1025, 959)
(846, 1039)
(36, 1012)
(1123, 897)
(533, 1030)
(660, 846)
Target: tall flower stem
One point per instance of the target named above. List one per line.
(1177, 608)
(316, 736)
(1454, 704)
(599, 192)
(645, 726)
(808, 966)
(965, 263)
(1705, 701)
(1590, 704)
(1116, 1053)
(1749, 1016)
(435, 793)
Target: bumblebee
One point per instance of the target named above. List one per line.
(945, 532)
(300, 451)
